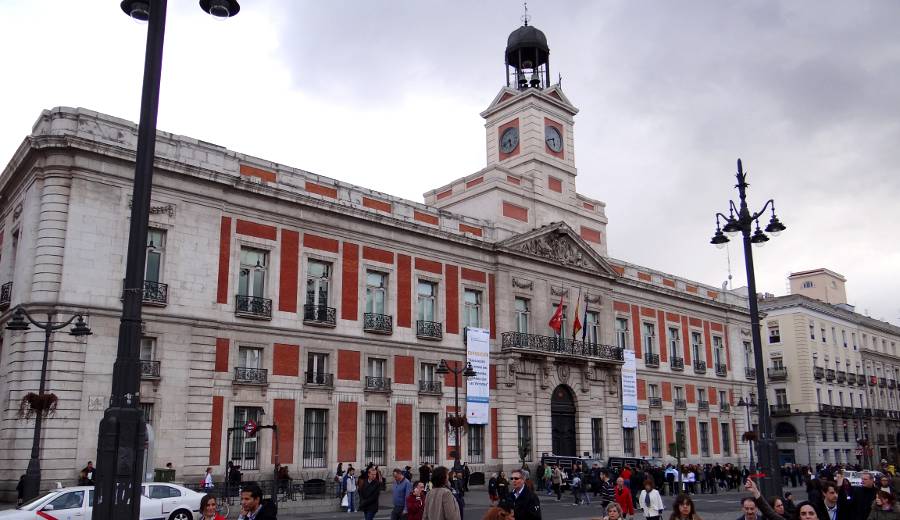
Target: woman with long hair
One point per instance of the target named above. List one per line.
(208, 508)
(683, 509)
(884, 507)
(440, 503)
(806, 511)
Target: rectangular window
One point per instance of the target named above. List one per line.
(317, 368)
(148, 349)
(649, 338)
(427, 298)
(701, 394)
(823, 334)
(778, 362)
(622, 333)
(563, 325)
(656, 438)
(597, 437)
(697, 346)
(427, 371)
(147, 411)
(472, 308)
(812, 330)
(749, 362)
(704, 439)
(476, 443)
(723, 399)
(245, 449)
(376, 292)
(726, 440)
(376, 436)
(679, 392)
(675, 341)
(252, 280)
(525, 444)
(718, 350)
(315, 433)
(834, 336)
(844, 337)
(318, 279)
(681, 436)
(774, 334)
(376, 367)
(834, 430)
(156, 247)
(428, 437)
(250, 357)
(592, 327)
(522, 315)
(628, 441)
(653, 389)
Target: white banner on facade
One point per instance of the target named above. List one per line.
(478, 352)
(629, 391)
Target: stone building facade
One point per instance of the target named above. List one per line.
(289, 298)
(833, 374)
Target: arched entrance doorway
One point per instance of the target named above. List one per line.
(562, 420)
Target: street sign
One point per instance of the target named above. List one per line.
(250, 428)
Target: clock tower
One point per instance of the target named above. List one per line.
(530, 176)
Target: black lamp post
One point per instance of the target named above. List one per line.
(468, 371)
(740, 220)
(20, 322)
(120, 443)
(748, 404)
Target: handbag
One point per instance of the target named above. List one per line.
(345, 502)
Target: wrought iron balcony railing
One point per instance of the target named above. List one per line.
(867, 412)
(319, 379)
(892, 384)
(841, 376)
(676, 363)
(651, 360)
(680, 404)
(378, 323)
(251, 376)
(654, 402)
(750, 373)
(777, 373)
(721, 369)
(555, 345)
(703, 405)
(851, 379)
(253, 307)
(829, 374)
(155, 293)
(780, 409)
(858, 412)
(5, 294)
(430, 387)
(882, 382)
(724, 407)
(848, 411)
(860, 380)
(699, 367)
(429, 330)
(826, 409)
(149, 369)
(319, 315)
(378, 384)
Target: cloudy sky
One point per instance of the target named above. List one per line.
(387, 94)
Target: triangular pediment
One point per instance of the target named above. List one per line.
(552, 94)
(558, 244)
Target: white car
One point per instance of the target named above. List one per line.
(159, 501)
(855, 477)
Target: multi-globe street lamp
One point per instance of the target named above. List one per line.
(120, 443)
(467, 371)
(741, 220)
(20, 322)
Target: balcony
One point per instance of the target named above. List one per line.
(721, 369)
(851, 379)
(568, 347)
(378, 384)
(826, 409)
(430, 387)
(819, 372)
(155, 293)
(858, 412)
(867, 412)
(882, 382)
(432, 330)
(680, 404)
(5, 295)
(253, 307)
(750, 373)
(319, 379)
(880, 412)
(699, 367)
(892, 384)
(848, 411)
(777, 373)
(873, 380)
(724, 407)
(319, 315)
(676, 363)
(841, 376)
(654, 402)
(251, 376)
(860, 380)
(703, 406)
(651, 360)
(780, 410)
(149, 369)
(378, 323)
(829, 374)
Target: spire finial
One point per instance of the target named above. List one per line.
(525, 16)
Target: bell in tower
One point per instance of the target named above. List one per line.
(527, 58)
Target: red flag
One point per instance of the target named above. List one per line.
(576, 327)
(556, 320)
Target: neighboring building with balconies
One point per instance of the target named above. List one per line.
(832, 374)
(276, 295)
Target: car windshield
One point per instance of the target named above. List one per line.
(29, 504)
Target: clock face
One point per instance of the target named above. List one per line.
(509, 140)
(553, 138)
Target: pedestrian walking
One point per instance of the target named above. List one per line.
(439, 502)
(502, 486)
(623, 497)
(209, 508)
(348, 484)
(252, 507)
(683, 508)
(523, 502)
(369, 488)
(415, 502)
(650, 501)
(399, 491)
(607, 494)
(557, 479)
(492, 488)
(208, 479)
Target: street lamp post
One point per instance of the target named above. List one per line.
(468, 371)
(740, 220)
(749, 404)
(20, 322)
(120, 443)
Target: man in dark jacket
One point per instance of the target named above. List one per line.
(522, 500)
(252, 507)
(834, 504)
(861, 498)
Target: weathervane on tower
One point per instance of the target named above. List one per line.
(525, 16)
